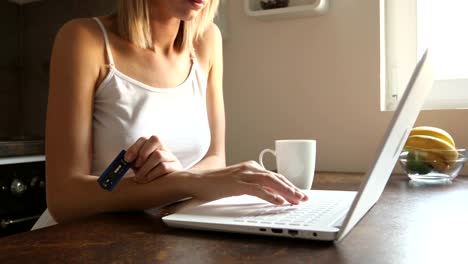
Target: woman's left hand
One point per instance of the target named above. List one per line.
(152, 159)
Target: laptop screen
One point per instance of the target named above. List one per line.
(387, 154)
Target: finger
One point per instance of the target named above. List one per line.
(132, 151)
(156, 158)
(273, 191)
(254, 165)
(153, 161)
(162, 169)
(270, 180)
(164, 147)
(262, 193)
(254, 173)
(299, 193)
(147, 149)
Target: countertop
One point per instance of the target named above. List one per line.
(411, 223)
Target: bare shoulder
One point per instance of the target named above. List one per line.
(78, 51)
(212, 33)
(82, 33)
(78, 25)
(209, 45)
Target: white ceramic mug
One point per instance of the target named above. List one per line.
(295, 159)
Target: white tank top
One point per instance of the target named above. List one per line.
(126, 109)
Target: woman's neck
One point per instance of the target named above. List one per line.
(164, 30)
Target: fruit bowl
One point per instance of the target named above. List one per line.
(433, 164)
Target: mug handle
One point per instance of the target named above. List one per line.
(260, 158)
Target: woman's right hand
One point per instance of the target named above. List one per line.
(151, 159)
(245, 178)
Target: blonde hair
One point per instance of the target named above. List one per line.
(133, 23)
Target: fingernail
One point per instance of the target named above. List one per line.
(279, 200)
(299, 195)
(128, 157)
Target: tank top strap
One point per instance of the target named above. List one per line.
(106, 41)
(193, 56)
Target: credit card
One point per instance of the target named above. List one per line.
(114, 173)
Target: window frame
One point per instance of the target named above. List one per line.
(399, 54)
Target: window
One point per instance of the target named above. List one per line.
(408, 28)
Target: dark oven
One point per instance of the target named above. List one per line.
(22, 184)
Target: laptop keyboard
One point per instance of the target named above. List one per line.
(304, 214)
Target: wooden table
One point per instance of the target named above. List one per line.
(411, 223)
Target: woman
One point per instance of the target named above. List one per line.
(147, 79)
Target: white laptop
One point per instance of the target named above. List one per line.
(328, 215)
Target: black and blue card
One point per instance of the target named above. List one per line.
(114, 173)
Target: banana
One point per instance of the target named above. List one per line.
(436, 160)
(433, 131)
(433, 145)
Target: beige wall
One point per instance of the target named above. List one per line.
(314, 77)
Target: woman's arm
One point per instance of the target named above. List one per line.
(210, 51)
(72, 192)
